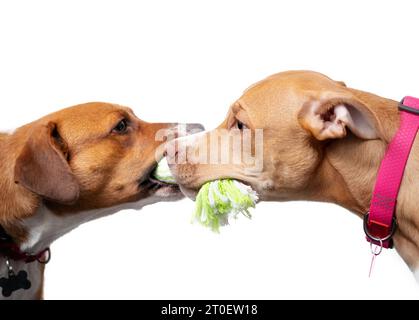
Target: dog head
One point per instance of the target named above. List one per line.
(283, 124)
(91, 156)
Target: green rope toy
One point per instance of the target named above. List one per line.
(217, 200)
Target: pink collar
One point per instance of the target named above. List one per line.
(380, 222)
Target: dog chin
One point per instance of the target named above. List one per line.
(190, 193)
(169, 193)
(163, 191)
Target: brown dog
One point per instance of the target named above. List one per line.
(70, 167)
(322, 141)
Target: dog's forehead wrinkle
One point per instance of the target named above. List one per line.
(82, 132)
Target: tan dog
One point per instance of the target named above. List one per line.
(322, 142)
(70, 167)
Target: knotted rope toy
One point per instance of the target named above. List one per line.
(217, 200)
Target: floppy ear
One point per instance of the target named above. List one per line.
(42, 166)
(332, 118)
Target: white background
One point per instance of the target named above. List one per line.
(187, 61)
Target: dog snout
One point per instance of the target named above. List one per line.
(178, 130)
(176, 148)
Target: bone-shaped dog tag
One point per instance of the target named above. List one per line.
(14, 282)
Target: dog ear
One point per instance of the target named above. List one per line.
(332, 118)
(42, 166)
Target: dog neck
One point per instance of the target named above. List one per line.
(31, 224)
(340, 185)
(42, 228)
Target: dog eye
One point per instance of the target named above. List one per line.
(240, 125)
(121, 127)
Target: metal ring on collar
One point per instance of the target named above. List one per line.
(377, 239)
(47, 252)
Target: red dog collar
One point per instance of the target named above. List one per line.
(380, 223)
(11, 250)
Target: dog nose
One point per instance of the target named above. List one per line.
(192, 128)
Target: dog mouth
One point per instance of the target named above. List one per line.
(192, 193)
(157, 187)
